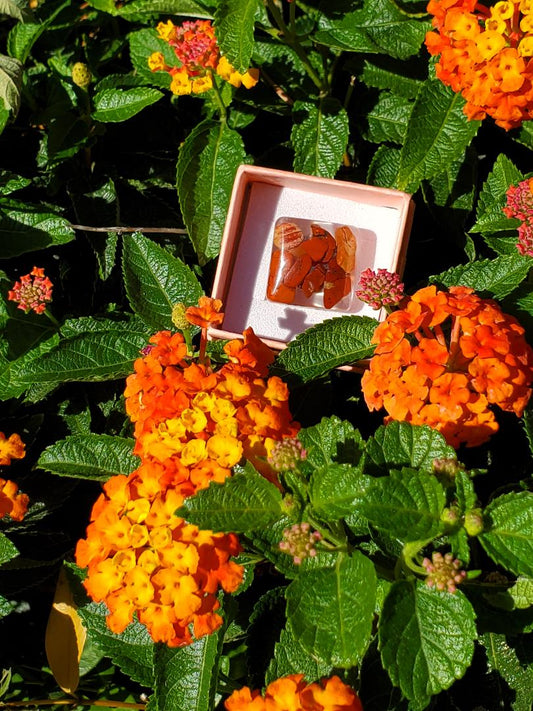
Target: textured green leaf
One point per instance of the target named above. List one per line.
(522, 593)
(319, 137)
(400, 444)
(379, 27)
(291, 658)
(524, 135)
(509, 536)
(26, 228)
(390, 76)
(142, 44)
(335, 488)
(86, 357)
(10, 82)
(498, 276)
(90, 456)
(207, 163)
(7, 549)
(387, 119)
(438, 132)
(10, 182)
(22, 38)
(325, 346)
(454, 186)
(332, 439)
(492, 199)
(502, 658)
(234, 22)
(131, 651)
(330, 610)
(383, 169)
(407, 504)
(244, 502)
(10, 385)
(426, 639)
(155, 281)
(15, 8)
(4, 115)
(186, 678)
(114, 105)
(189, 8)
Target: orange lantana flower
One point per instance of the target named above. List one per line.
(206, 314)
(292, 693)
(449, 360)
(11, 447)
(486, 55)
(192, 425)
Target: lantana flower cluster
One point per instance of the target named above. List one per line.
(520, 206)
(486, 55)
(195, 45)
(444, 359)
(12, 503)
(33, 292)
(292, 692)
(193, 423)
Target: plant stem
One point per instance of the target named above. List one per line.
(170, 230)
(221, 108)
(291, 39)
(52, 318)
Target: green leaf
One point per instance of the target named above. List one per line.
(86, 357)
(10, 82)
(407, 504)
(22, 38)
(502, 658)
(26, 228)
(131, 651)
(400, 444)
(383, 169)
(135, 9)
(207, 163)
(114, 105)
(335, 488)
(291, 658)
(498, 276)
(143, 43)
(522, 593)
(330, 610)
(492, 199)
(8, 550)
(381, 26)
(10, 182)
(390, 77)
(319, 137)
(438, 132)
(244, 502)
(387, 119)
(10, 385)
(186, 678)
(509, 537)
(15, 8)
(234, 22)
(4, 115)
(155, 281)
(426, 639)
(332, 439)
(325, 346)
(454, 186)
(90, 456)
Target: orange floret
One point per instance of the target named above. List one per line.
(466, 356)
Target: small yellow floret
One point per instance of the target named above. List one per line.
(181, 84)
(202, 84)
(489, 43)
(525, 48)
(166, 30)
(156, 62)
(503, 10)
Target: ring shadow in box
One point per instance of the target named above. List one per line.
(294, 248)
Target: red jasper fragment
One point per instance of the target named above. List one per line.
(346, 247)
(297, 271)
(287, 235)
(318, 231)
(314, 281)
(337, 284)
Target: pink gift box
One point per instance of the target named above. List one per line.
(379, 218)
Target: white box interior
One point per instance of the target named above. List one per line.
(377, 228)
